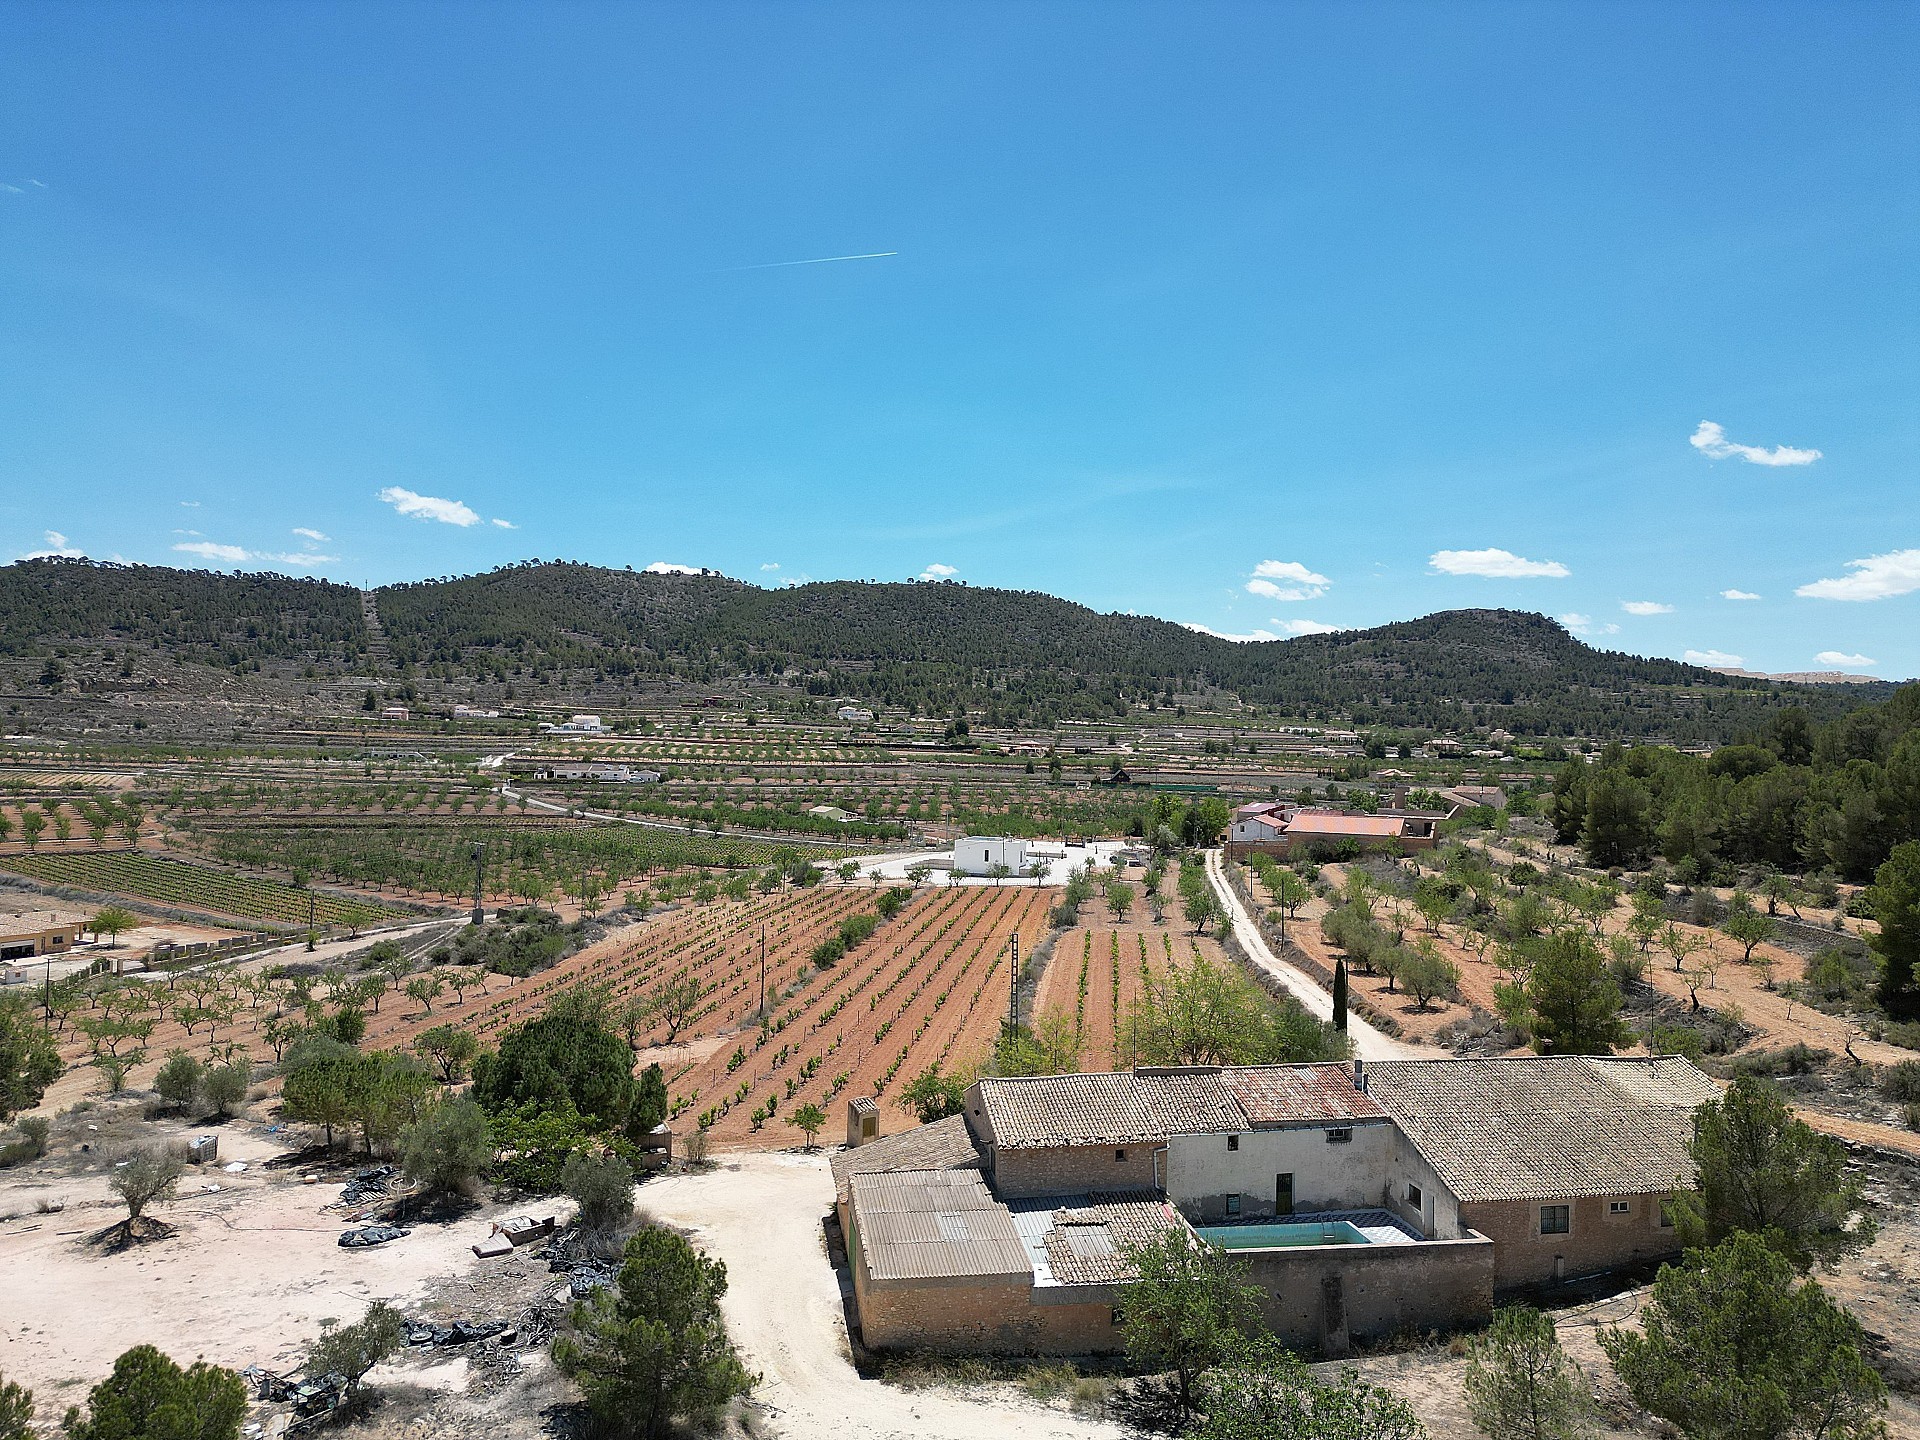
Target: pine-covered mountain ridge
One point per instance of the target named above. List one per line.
(1013, 657)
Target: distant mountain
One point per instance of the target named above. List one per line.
(1011, 657)
(1801, 677)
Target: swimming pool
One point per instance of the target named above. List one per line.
(1282, 1236)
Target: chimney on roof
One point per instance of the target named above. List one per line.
(1359, 1073)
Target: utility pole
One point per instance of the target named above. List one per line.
(763, 973)
(1013, 985)
(310, 920)
(479, 877)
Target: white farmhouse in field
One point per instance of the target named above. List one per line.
(580, 725)
(978, 854)
(855, 713)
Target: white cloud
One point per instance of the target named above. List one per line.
(57, 549)
(210, 550)
(305, 534)
(505, 524)
(240, 555)
(1248, 638)
(429, 507)
(1495, 565)
(667, 567)
(1645, 607)
(1714, 658)
(1711, 441)
(771, 565)
(191, 504)
(1586, 625)
(1738, 595)
(1300, 582)
(1308, 627)
(1878, 577)
(938, 572)
(1840, 660)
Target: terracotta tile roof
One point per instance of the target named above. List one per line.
(1273, 1096)
(1327, 822)
(943, 1145)
(1547, 1127)
(934, 1225)
(1134, 1107)
(1128, 1108)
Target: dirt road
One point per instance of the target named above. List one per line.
(762, 1215)
(1368, 1043)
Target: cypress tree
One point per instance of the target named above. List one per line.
(1340, 994)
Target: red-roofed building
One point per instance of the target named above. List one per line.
(1284, 833)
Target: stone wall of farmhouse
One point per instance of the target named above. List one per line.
(1000, 1319)
(1598, 1239)
(1437, 1285)
(1070, 1169)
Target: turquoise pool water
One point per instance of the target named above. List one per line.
(1280, 1236)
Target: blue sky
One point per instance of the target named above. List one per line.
(1257, 317)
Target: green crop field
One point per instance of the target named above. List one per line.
(438, 860)
(174, 882)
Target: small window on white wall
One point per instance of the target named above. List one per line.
(1233, 1204)
(1619, 1207)
(1233, 1142)
(1414, 1197)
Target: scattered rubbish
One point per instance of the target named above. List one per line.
(461, 1332)
(235, 1167)
(203, 1149)
(309, 1179)
(368, 1184)
(521, 1229)
(367, 1236)
(209, 1189)
(493, 1245)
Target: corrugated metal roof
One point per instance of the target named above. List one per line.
(935, 1224)
(1548, 1127)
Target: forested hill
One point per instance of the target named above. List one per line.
(1007, 656)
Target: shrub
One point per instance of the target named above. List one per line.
(178, 1082)
(149, 1397)
(448, 1147)
(1901, 1082)
(602, 1186)
(653, 1348)
(224, 1087)
(144, 1177)
(353, 1350)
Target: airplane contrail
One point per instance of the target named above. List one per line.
(823, 260)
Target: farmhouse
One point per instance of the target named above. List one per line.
(39, 933)
(1284, 829)
(1365, 1199)
(978, 854)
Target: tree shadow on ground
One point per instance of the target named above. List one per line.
(128, 1233)
(1149, 1406)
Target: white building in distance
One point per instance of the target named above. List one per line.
(978, 854)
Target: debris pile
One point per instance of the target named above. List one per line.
(367, 1236)
(368, 1185)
